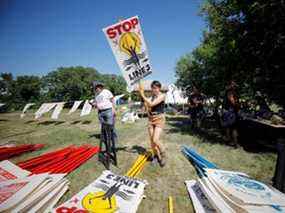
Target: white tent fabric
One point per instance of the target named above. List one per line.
(75, 106)
(57, 110)
(44, 108)
(175, 95)
(26, 108)
(86, 109)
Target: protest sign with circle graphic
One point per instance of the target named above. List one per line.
(128, 45)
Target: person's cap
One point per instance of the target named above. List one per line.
(97, 83)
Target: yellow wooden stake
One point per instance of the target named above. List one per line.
(170, 204)
(137, 162)
(138, 169)
(138, 165)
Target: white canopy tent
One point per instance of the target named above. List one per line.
(175, 95)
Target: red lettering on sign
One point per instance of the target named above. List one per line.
(125, 26)
(134, 22)
(64, 209)
(111, 33)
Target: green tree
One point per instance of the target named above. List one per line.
(244, 42)
(17, 92)
(74, 83)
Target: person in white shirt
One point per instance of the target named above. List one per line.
(105, 103)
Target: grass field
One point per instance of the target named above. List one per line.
(132, 139)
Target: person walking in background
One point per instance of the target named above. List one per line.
(155, 108)
(105, 103)
(196, 108)
(230, 115)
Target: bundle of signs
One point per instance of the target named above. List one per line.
(21, 191)
(8, 151)
(61, 161)
(108, 193)
(218, 190)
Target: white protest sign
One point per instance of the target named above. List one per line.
(108, 193)
(74, 107)
(12, 192)
(27, 106)
(87, 107)
(199, 200)
(244, 190)
(44, 108)
(9, 171)
(57, 110)
(127, 43)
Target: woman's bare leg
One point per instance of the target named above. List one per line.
(156, 140)
(152, 145)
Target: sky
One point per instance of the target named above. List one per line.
(37, 36)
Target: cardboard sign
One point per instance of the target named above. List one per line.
(27, 106)
(57, 110)
(108, 193)
(244, 190)
(216, 201)
(36, 198)
(9, 171)
(127, 43)
(200, 201)
(87, 107)
(12, 192)
(44, 108)
(74, 107)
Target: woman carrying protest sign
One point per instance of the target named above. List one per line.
(155, 108)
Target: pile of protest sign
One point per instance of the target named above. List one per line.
(61, 161)
(22, 192)
(227, 191)
(108, 193)
(9, 151)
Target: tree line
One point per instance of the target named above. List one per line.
(243, 41)
(63, 84)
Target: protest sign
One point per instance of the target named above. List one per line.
(26, 108)
(244, 190)
(87, 107)
(9, 171)
(74, 107)
(12, 192)
(34, 193)
(44, 108)
(36, 198)
(127, 43)
(57, 110)
(200, 201)
(108, 193)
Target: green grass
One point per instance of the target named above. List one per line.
(165, 182)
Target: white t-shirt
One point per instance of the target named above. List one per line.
(103, 100)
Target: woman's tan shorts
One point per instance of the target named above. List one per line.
(156, 120)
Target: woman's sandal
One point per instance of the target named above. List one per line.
(162, 161)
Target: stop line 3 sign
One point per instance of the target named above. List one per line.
(128, 45)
